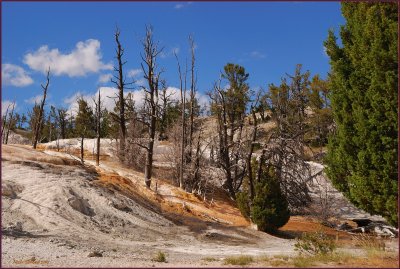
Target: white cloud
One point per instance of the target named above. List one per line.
(141, 82)
(257, 55)
(325, 52)
(105, 78)
(7, 104)
(165, 54)
(84, 59)
(134, 72)
(175, 50)
(182, 5)
(35, 99)
(109, 94)
(15, 75)
(106, 93)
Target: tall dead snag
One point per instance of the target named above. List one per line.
(192, 97)
(285, 149)
(121, 84)
(10, 122)
(183, 123)
(98, 118)
(165, 103)
(251, 146)
(82, 151)
(152, 76)
(4, 122)
(40, 117)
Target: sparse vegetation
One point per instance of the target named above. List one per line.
(239, 260)
(316, 243)
(369, 242)
(315, 260)
(160, 257)
(210, 259)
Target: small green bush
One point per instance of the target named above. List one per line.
(240, 260)
(270, 207)
(315, 244)
(160, 257)
(242, 200)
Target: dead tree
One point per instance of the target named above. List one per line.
(284, 150)
(40, 117)
(152, 76)
(251, 146)
(10, 122)
(50, 127)
(121, 84)
(98, 118)
(192, 97)
(4, 122)
(165, 99)
(183, 123)
(229, 106)
(82, 150)
(224, 159)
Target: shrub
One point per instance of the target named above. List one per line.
(315, 244)
(242, 200)
(369, 242)
(160, 257)
(270, 207)
(240, 260)
(210, 259)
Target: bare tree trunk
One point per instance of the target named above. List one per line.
(4, 123)
(249, 168)
(121, 84)
(58, 142)
(192, 98)
(10, 122)
(149, 58)
(183, 125)
(82, 152)
(98, 106)
(49, 119)
(39, 121)
(224, 144)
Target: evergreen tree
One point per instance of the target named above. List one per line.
(321, 119)
(85, 122)
(269, 208)
(362, 157)
(61, 119)
(23, 120)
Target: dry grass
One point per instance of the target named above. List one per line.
(376, 259)
(210, 259)
(336, 258)
(369, 242)
(160, 257)
(239, 260)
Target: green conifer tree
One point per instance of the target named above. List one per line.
(362, 158)
(269, 208)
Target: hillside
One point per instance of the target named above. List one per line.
(57, 212)
(54, 207)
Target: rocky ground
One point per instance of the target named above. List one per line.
(59, 213)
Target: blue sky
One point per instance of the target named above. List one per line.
(77, 39)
